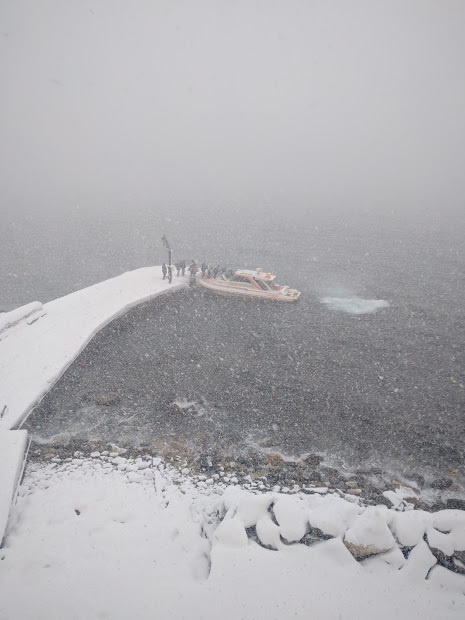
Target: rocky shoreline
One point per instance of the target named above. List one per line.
(262, 471)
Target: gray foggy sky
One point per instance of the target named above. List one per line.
(343, 103)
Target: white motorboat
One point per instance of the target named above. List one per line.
(250, 283)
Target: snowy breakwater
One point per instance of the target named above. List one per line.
(412, 540)
(401, 539)
(145, 538)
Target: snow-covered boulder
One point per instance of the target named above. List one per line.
(451, 522)
(409, 527)
(446, 534)
(332, 515)
(438, 540)
(268, 532)
(389, 562)
(247, 507)
(292, 516)
(401, 497)
(369, 533)
(231, 533)
(419, 563)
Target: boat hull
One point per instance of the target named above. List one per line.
(225, 287)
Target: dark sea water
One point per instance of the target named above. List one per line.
(383, 387)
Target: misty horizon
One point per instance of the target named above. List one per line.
(345, 106)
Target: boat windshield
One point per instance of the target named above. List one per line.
(262, 284)
(237, 278)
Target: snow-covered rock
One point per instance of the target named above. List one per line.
(451, 522)
(292, 516)
(332, 515)
(409, 527)
(231, 532)
(389, 562)
(419, 563)
(401, 496)
(268, 532)
(441, 541)
(246, 506)
(369, 533)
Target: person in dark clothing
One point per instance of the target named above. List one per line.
(164, 270)
(178, 268)
(193, 271)
(209, 271)
(215, 271)
(204, 268)
(183, 267)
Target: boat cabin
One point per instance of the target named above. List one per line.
(256, 279)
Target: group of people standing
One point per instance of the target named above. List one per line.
(180, 266)
(208, 271)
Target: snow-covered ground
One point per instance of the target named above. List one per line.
(105, 536)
